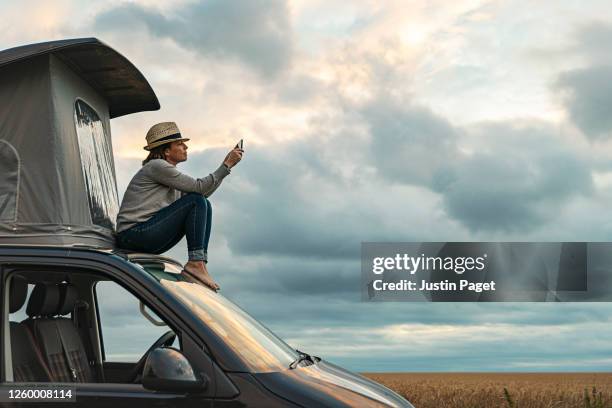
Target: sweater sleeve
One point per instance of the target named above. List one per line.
(167, 174)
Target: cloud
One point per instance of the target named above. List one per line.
(587, 97)
(290, 276)
(300, 89)
(488, 347)
(256, 33)
(408, 143)
(313, 309)
(586, 92)
(496, 176)
(514, 179)
(592, 41)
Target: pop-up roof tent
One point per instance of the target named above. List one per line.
(57, 173)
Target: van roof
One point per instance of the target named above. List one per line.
(104, 69)
(131, 256)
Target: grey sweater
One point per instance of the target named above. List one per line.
(157, 185)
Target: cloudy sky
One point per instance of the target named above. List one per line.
(377, 121)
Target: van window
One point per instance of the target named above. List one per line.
(68, 325)
(260, 349)
(127, 333)
(97, 165)
(9, 169)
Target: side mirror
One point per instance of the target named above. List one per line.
(167, 369)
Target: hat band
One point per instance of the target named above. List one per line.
(174, 136)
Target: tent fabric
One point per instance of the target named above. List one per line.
(9, 168)
(57, 186)
(112, 75)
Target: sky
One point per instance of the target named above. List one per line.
(376, 121)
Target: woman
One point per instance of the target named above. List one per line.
(161, 204)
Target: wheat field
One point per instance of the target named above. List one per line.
(486, 390)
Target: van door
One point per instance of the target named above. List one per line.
(122, 335)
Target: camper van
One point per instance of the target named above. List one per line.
(70, 297)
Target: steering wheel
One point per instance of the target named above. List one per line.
(165, 340)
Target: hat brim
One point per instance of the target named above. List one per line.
(155, 144)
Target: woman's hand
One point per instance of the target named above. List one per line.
(233, 157)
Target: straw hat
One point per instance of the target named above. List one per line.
(162, 133)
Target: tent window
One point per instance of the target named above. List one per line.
(9, 181)
(97, 164)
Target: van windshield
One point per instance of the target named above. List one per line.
(259, 348)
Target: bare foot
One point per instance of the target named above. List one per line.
(199, 271)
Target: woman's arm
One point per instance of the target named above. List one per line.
(225, 172)
(165, 173)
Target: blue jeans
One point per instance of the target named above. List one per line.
(190, 216)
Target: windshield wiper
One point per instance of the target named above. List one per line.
(302, 357)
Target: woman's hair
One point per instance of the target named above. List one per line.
(156, 153)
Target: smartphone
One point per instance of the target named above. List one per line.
(240, 144)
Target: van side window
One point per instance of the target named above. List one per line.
(69, 325)
(97, 165)
(126, 331)
(9, 183)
